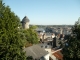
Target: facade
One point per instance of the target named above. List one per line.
(46, 57)
(25, 22)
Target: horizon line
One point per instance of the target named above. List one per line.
(51, 24)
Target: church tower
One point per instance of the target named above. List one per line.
(25, 22)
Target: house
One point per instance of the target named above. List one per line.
(40, 30)
(56, 55)
(37, 52)
(46, 46)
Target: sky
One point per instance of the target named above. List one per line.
(46, 12)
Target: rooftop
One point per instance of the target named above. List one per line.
(57, 54)
(35, 51)
(25, 19)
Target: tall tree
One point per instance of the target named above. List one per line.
(10, 41)
(31, 35)
(71, 51)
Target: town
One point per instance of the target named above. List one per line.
(49, 47)
(39, 30)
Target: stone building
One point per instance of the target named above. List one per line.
(25, 22)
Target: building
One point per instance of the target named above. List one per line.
(37, 52)
(40, 30)
(25, 22)
(56, 55)
(46, 46)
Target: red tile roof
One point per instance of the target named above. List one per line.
(58, 55)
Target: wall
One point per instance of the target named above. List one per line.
(25, 25)
(47, 57)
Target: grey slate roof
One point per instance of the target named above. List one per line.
(35, 51)
(40, 29)
(25, 19)
(45, 45)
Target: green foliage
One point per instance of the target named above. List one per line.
(33, 27)
(30, 58)
(10, 40)
(31, 35)
(72, 51)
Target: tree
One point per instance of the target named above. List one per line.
(29, 58)
(71, 51)
(10, 41)
(31, 36)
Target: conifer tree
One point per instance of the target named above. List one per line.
(10, 40)
(72, 50)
